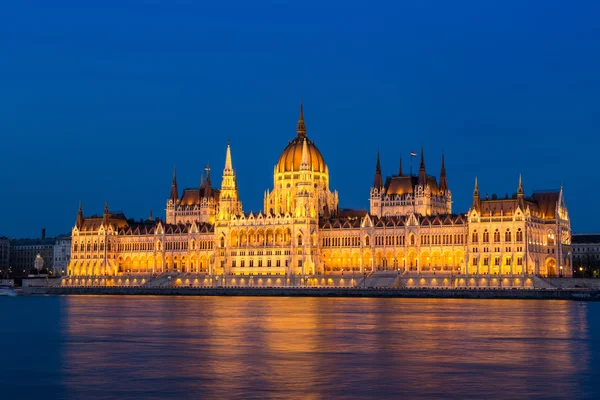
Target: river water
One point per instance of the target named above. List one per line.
(126, 347)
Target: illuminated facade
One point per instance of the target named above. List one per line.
(410, 228)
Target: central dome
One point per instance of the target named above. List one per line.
(291, 158)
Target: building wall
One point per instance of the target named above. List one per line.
(4, 255)
(22, 256)
(61, 254)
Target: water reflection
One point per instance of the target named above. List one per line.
(315, 348)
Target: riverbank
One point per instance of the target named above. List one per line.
(534, 294)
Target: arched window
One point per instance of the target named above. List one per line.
(412, 240)
(519, 235)
(551, 239)
(299, 240)
(486, 236)
(367, 241)
(508, 236)
(475, 236)
(496, 236)
(222, 241)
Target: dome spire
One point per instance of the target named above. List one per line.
(301, 128)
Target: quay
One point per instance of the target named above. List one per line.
(449, 293)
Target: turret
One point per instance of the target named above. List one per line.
(443, 180)
(378, 181)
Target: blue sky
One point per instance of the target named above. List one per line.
(99, 101)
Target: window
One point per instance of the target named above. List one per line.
(519, 235)
(519, 260)
(269, 263)
(496, 261)
(486, 236)
(475, 237)
(278, 263)
(496, 236)
(251, 263)
(508, 236)
(300, 263)
(233, 264)
(367, 241)
(243, 263)
(299, 240)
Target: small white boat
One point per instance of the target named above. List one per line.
(7, 291)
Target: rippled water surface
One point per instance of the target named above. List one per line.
(93, 347)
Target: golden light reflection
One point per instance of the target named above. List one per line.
(226, 347)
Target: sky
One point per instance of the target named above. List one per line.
(100, 100)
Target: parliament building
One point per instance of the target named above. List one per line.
(410, 228)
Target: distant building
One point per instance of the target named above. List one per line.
(586, 254)
(23, 253)
(4, 255)
(62, 254)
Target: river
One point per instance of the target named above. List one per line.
(143, 347)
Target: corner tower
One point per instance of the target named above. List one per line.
(229, 203)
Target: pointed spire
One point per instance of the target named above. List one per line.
(422, 173)
(520, 190)
(400, 167)
(79, 221)
(443, 179)
(301, 128)
(378, 181)
(228, 164)
(150, 217)
(174, 192)
(207, 185)
(202, 180)
(476, 198)
(106, 214)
